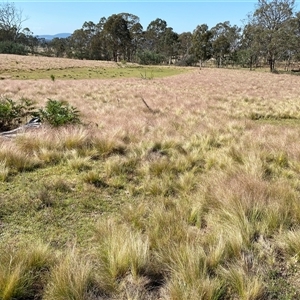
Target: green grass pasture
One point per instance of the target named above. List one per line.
(145, 72)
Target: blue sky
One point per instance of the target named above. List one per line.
(51, 17)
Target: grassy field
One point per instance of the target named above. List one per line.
(28, 67)
(194, 197)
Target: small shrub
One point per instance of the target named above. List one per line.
(187, 60)
(10, 47)
(150, 58)
(58, 113)
(13, 113)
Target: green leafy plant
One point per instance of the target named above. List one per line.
(11, 47)
(150, 58)
(13, 113)
(58, 113)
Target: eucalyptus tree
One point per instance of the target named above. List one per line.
(11, 22)
(296, 30)
(27, 38)
(154, 35)
(93, 42)
(85, 41)
(170, 44)
(136, 31)
(202, 44)
(272, 23)
(293, 51)
(248, 53)
(185, 40)
(117, 36)
(79, 44)
(98, 44)
(185, 53)
(225, 42)
(59, 46)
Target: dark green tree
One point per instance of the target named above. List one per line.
(98, 44)
(272, 23)
(248, 54)
(202, 44)
(27, 38)
(186, 56)
(59, 46)
(294, 51)
(225, 42)
(79, 42)
(170, 44)
(91, 30)
(185, 40)
(117, 36)
(154, 35)
(135, 31)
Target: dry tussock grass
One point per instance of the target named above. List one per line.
(209, 192)
(16, 62)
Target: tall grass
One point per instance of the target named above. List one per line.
(71, 278)
(22, 272)
(121, 251)
(17, 160)
(4, 171)
(197, 201)
(189, 274)
(243, 285)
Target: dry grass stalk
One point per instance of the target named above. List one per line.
(203, 194)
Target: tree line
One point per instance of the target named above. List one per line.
(270, 34)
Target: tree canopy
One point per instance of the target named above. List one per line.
(270, 34)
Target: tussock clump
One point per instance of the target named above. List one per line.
(71, 278)
(95, 178)
(23, 271)
(77, 162)
(16, 160)
(198, 201)
(121, 251)
(105, 146)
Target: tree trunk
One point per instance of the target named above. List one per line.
(272, 64)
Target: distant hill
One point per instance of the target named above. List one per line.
(50, 37)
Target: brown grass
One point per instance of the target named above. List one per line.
(201, 194)
(16, 62)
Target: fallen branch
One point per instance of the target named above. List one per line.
(33, 123)
(148, 106)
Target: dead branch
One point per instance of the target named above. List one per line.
(148, 106)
